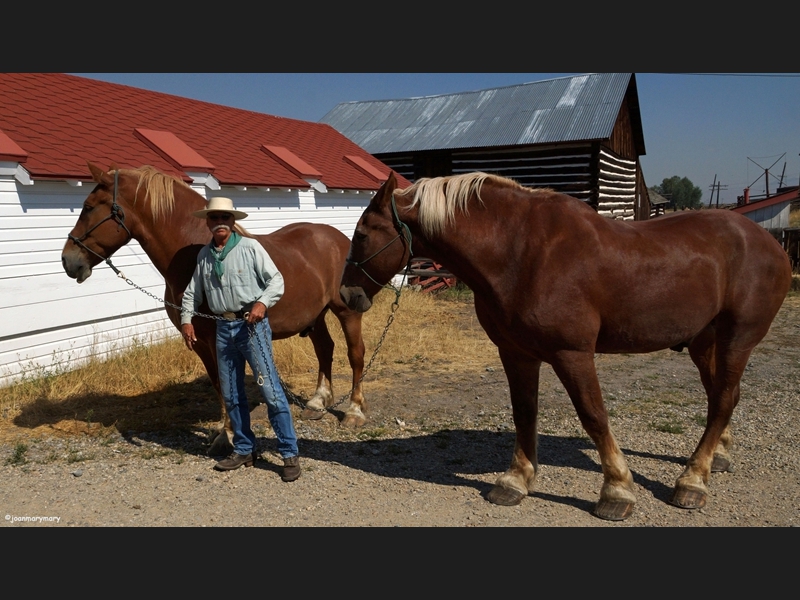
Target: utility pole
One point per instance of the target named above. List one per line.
(719, 187)
(710, 200)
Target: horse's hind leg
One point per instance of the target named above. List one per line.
(577, 372)
(351, 326)
(323, 348)
(523, 382)
(726, 366)
(702, 351)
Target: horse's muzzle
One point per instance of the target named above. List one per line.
(356, 298)
(75, 265)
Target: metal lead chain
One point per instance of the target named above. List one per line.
(251, 332)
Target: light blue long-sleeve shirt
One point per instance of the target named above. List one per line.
(250, 275)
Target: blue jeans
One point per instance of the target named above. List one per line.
(233, 349)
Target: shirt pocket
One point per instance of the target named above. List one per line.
(239, 279)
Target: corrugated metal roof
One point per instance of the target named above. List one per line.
(578, 108)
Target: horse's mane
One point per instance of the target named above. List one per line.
(439, 197)
(158, 187)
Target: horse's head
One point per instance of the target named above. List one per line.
(380, 248)
(101, 229)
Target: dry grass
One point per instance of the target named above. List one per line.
(424, 333)
(162, 385)
(794, 215)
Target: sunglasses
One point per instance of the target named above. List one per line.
(219, 216)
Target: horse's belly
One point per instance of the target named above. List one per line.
(651, 331)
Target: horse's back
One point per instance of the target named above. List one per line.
(744, 248)
(310, 257)
(656, 283)
(305, 238)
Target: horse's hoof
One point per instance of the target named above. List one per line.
(312, 414)
(688, 498)
(220, 446)
(504, 496)
(610, 510)
(353, 421)
(721, 464)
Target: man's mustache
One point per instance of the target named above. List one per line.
(220, 226)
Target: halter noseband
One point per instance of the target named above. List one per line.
(117, 215)
(402, 231)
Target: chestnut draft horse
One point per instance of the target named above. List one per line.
(555, 282)
(155, 210)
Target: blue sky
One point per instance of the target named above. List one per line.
(732, 126)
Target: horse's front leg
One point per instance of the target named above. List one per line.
(323, 349)
(222, 436)
(351, 326)
(523, 382)
(577, 373)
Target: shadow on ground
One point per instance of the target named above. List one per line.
(181, 417)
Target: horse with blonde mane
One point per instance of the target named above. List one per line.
(155, 209)
(555, 282)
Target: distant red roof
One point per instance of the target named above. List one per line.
(788, 196)
(54, 123)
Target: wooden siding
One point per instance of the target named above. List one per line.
(566, 168)
(616, 187)
(621, 141)
(50, 322)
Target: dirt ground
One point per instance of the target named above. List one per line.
(437, 438)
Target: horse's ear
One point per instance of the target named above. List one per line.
(114, 167)
(99, 175)
(387, 187)
(391, 182)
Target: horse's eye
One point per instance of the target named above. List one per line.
(359, 236)
(87, 208)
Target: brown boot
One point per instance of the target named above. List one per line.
(291, 468)
(234, 461)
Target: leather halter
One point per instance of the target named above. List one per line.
(402, 232)
(116, 214)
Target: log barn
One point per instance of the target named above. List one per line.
(580, 135)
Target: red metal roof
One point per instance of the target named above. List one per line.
(788, 196)
(62, 121)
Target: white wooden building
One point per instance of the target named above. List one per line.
(52, 124)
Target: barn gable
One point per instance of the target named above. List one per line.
(579, 135)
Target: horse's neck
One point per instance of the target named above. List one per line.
(464, 249)
(172, 241)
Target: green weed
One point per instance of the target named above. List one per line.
(18, 456)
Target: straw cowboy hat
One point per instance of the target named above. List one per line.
(220, 204)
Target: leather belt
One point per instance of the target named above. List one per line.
(232, 316)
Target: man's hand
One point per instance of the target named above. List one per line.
(257, 313)
(187, 330)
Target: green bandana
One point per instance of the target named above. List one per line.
(219, 255)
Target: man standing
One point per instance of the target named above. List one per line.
(241, 282)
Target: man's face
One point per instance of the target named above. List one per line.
(219, 221)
